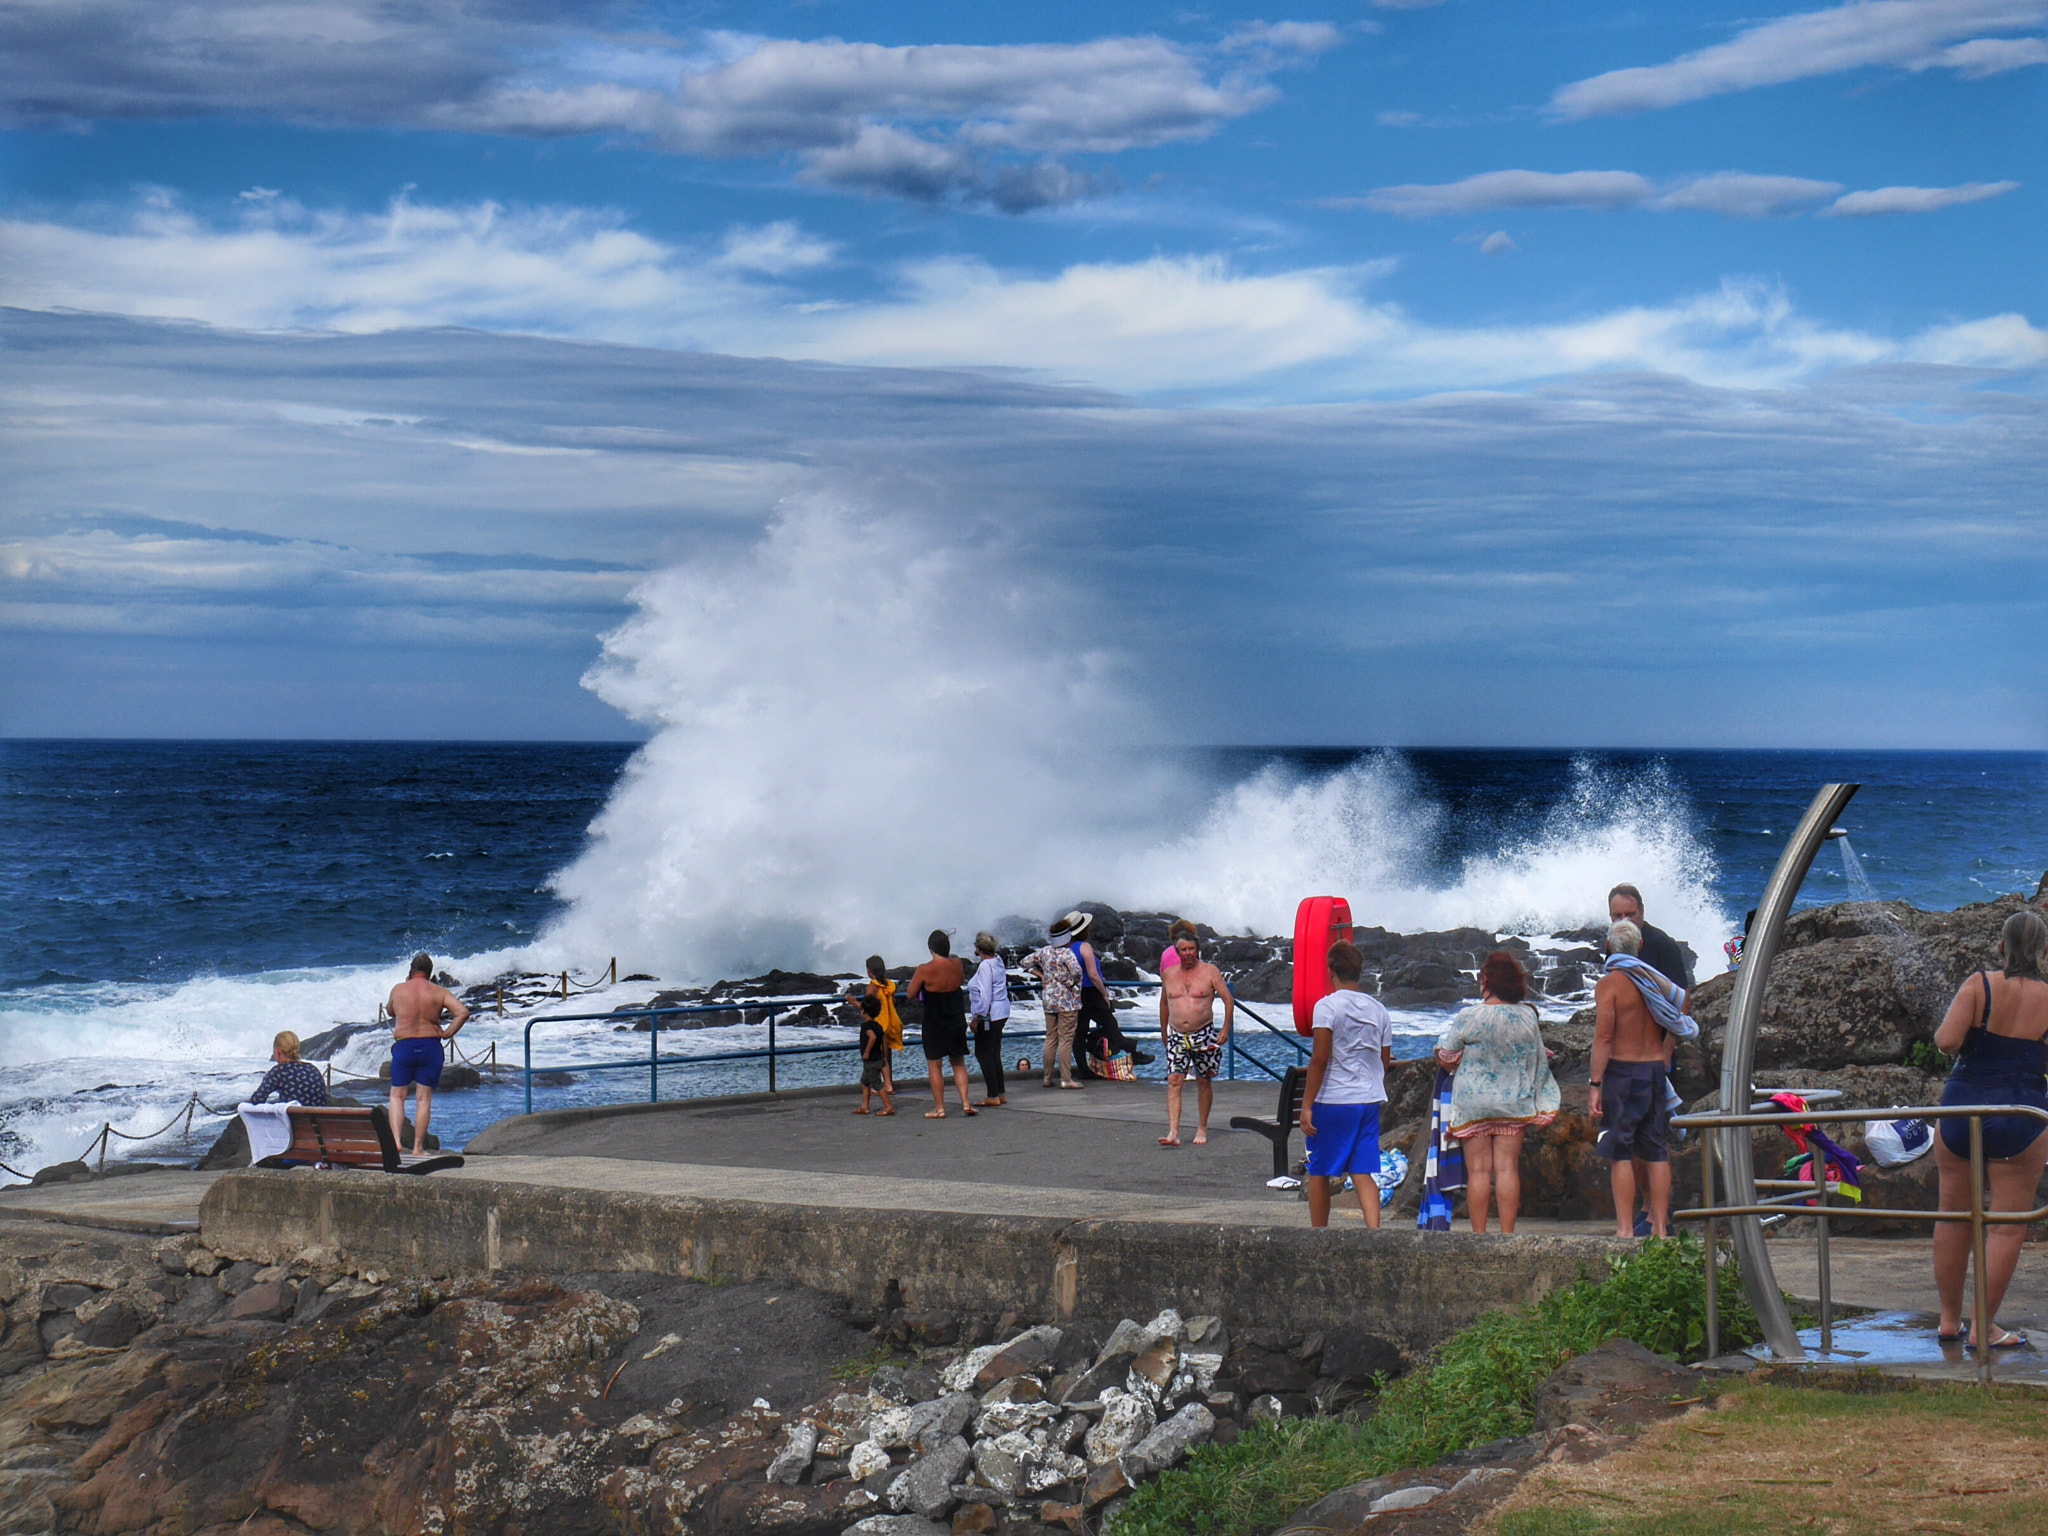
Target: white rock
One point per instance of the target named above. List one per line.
(1195, 1376)
(897, 1525)
(799, 1441)
(1069, 1430)
(1413, 1497)
(891, 1428)
(1170, 1442)
(1048, 1469)
(1267, 1408)
(959, 1376)
(1167, 1325)
(1001, 1418)
(865, 1460)
(1126, 1419)
(1000, 1461)
(1202, 1329)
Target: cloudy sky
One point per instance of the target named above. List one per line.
(1369, 373)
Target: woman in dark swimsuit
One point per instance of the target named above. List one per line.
(940, 983)
(1996, 1029)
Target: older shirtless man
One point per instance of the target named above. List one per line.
(1631, 1054)
(416, 1007)
(1187, 1027)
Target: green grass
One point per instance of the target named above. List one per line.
(1478, 1387)
(865, 1364)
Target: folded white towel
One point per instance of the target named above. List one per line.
(270, 1128)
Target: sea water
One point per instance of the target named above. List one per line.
(173, 905)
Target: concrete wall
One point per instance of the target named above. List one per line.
(1412, 1287)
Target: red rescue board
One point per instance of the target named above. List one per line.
(1319, 922)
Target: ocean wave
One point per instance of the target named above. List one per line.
(849, 751)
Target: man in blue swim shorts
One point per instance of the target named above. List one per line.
(1347, 1084)
(416, 1007)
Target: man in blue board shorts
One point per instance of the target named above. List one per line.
(416, 1005)
(1347, 1084)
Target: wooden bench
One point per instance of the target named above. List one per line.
(343, 1137)
(1278, 1129)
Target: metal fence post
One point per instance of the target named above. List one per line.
(1820, 1217)
(653, 1059)
(1713, 1277)
(1980, 1331)
(771, 1050)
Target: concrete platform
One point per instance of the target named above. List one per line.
(161, 1201)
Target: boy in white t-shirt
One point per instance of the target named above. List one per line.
(1347, 1084)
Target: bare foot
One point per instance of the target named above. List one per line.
(935, 1114)
(1169, 1141)
(1201, 1138)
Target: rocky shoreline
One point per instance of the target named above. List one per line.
(158, 1387)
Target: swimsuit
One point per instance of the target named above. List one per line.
(1634, 1116)
(945, 1024)
(1996, 1069)
(1199, 1054)
(416, 1061)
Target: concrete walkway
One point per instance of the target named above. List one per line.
(161, 1201)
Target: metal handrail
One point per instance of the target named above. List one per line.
(774, 1052)
(1976, 1215)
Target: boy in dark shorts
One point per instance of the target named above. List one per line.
(874, 1050)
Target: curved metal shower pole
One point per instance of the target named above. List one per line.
(1738, 1060)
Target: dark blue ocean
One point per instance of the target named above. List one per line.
(173, 904)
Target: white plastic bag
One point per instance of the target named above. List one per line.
(1895, 1143)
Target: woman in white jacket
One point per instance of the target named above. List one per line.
(988, 1000)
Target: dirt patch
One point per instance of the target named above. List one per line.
(1773, 1460)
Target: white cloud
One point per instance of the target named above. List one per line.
(1397, 118)
(1509, 189)
(1997, 341)
(1499, 243)
(1732, 194)
(978, 123)
(1906, 34)
(1856, 205)
(1176, 326)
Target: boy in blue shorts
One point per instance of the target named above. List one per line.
(1347, 1084)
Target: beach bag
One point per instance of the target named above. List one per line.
(1118, 1068)
(1895, 1143)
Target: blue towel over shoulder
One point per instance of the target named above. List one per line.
(1666, 998)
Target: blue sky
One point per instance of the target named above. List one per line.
(1510, 355)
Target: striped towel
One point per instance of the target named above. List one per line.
(1444, 1170)
(1665, 997)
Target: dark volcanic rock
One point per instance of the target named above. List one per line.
(1272, 982)
(339, 1427)
(1617, 1386)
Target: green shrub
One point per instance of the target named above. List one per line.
(1479, 1386)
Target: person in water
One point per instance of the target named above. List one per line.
(883, 991)
(1188, 994)
(290, 1080)
(416, 1005)
(1995, 1029)
(941, 984)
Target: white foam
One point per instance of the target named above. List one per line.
(863, 730)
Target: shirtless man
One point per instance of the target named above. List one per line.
(1630, 1052)
(416, 1006)
(1187, 1028)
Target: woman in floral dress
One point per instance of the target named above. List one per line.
(1503, 1085)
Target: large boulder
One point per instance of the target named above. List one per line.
(1860, 983)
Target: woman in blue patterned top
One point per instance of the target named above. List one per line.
(291, 1080)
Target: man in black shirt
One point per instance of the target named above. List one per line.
(1625, 905)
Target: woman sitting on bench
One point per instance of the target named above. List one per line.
(290, 1081)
